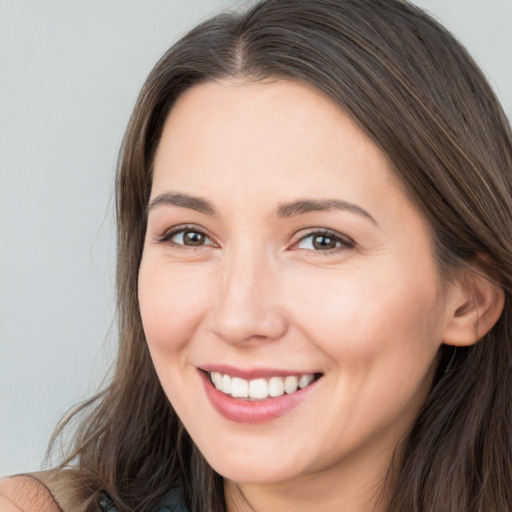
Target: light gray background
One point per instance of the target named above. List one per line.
(69, 75)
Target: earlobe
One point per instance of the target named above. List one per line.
(474, 306)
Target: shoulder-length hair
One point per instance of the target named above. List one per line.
(415, 91)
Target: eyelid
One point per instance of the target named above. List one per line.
(344, 240)
(173, 231)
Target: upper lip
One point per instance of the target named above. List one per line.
(254, 373)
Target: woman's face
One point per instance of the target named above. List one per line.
(280, 250)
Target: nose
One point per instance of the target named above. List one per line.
(247, 308)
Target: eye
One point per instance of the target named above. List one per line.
(189, 237)
(323, 241)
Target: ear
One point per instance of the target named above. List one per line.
(474, 305)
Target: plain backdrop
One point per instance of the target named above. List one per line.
(70, 71)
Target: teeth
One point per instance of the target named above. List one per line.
(260, 389)
(305, 381)
(226, 384)
(216, 379)
(275, 386)
(290, 384)
(239, 387)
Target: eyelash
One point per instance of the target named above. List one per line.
(342, 242)
(168, 235)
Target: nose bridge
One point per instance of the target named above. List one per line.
(247, 306)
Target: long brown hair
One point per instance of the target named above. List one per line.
(416, 92)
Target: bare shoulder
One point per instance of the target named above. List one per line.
(25, 493)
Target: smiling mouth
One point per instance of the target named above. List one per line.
(261, 388)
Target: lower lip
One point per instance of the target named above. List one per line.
(255, 412)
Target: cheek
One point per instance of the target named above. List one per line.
(381, 340)
(172, 304)
(358, 317)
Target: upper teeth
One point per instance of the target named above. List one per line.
(260, 389)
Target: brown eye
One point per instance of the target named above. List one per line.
(193, 238)
(324, 241)
(190, 238)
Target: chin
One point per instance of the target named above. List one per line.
(255, 475)
(256, 469)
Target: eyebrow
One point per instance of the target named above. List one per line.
(291, 209)
(184, 201)
(320, 205)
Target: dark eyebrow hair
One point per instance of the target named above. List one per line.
(184, 201)
(290, 209)
(318, 205)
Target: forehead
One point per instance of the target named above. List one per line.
(280, 130)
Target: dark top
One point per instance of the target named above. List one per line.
(171, 503)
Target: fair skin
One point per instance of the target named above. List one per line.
(279, 244)
(25, 494)
(244, 276)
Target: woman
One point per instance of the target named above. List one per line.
(314, 229)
